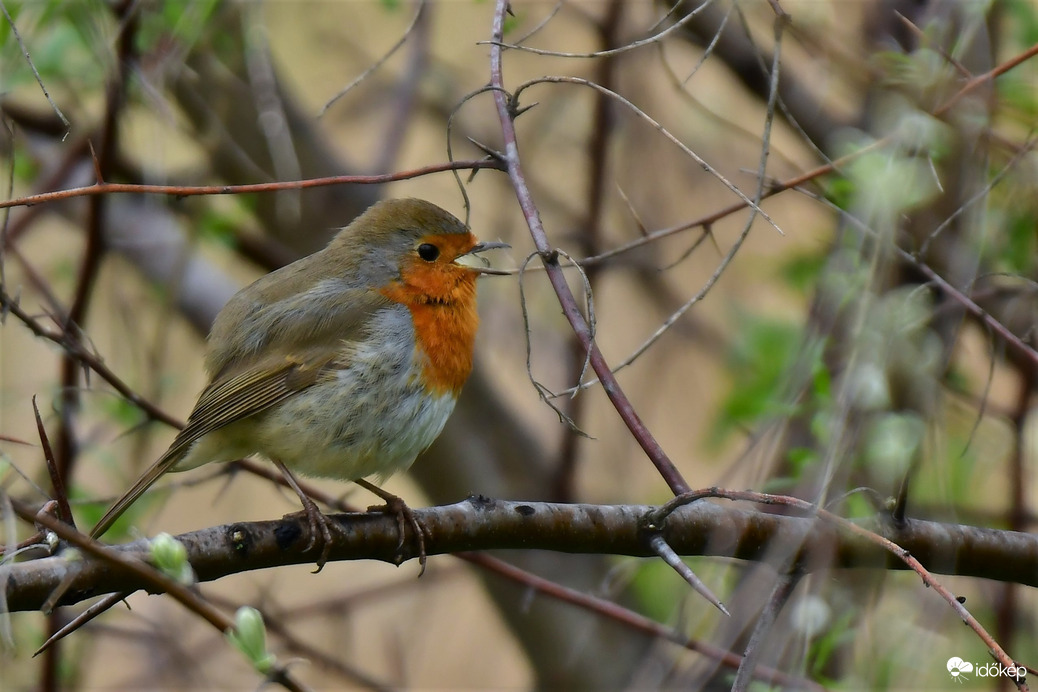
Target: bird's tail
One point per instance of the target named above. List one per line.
(146, 480)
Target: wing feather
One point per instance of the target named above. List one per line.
(226, 401)
(265, 347)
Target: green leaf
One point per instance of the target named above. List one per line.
(1018, 254)
(840, 191)
(218, 226)
(125, 413)
(1022, 20)
(889, 183)
(763, 354)
(1017, 91)
(801, 271)
(249, 636)
(25, 169)
(826, 644)
(802, 458)
(890, 443)
(858, 506)
(170, 557)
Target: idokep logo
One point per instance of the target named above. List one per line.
(960, 670)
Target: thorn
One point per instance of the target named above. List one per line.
(519, 111)
(7, 302)
(709, 231)
(486, 149)
(60, 504)
(82, 619)
(97, 164)
(642, 228)
(661, 548)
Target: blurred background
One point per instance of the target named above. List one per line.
(811, 352)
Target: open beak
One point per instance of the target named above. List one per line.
(478, 248)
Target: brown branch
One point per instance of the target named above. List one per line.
(893, 545)
(549, 257)
(479, 523)
(780, 595)
(103, 188)
(603, 128)
(988, 76)
(635, 621)
(136, 566)
(69, 400)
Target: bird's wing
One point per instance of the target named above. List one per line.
(227, 400)
(303, 334)
(324, 313)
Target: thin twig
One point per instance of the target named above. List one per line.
(194, 190)
(506, 113)
(780, 595)
(1018, 345)
(635, 621)
(35, 72)
(151, 576)
(378, 63)
(78, 350)
(655, 38)
(854, 529)
(656, 125)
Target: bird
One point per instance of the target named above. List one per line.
(344, 364)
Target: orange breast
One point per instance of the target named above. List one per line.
(446, 334)
(442, 302)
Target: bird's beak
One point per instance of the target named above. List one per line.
(478, 248)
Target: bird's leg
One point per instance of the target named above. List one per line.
(396, 505)
(319, 523)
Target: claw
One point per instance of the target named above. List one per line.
(319, 525)
(396, 505)
(318, 522)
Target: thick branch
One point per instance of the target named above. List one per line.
(484, 524)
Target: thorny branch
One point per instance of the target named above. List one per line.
(506, 108)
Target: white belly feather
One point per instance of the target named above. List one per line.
(372, 418)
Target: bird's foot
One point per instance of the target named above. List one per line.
(395, 505)
(320, 525)
(318, 522)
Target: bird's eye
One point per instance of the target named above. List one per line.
(428, 252)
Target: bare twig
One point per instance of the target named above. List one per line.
(134, 565)
(35, 72)
(506, 113)
(79, 351)
(754, 648)
(655, 38)
(894, 548)
(378, 63)
(190, 191)
(631, 619)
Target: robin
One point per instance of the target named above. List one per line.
(344, 364)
